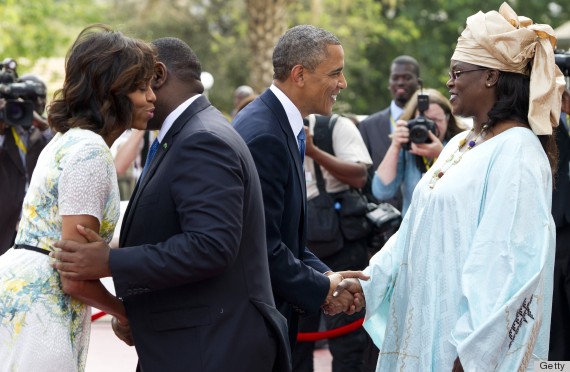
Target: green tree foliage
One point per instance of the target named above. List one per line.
(372, 32)
(42, 28)
(215, 29)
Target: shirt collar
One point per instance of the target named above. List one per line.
(395, 110)
(293, 114)
(171, 118)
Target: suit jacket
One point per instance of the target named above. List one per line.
(561, 193)
(375, 131)
(296, 273)
(13, 178)
(192, 268)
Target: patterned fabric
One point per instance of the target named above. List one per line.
(42, 328)
(469, 272)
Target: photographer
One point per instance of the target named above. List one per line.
(407, 160)
(335, 147)
(20, 147)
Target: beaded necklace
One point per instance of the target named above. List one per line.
(453, 158)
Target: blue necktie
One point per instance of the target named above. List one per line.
(301, 142)
(151, 153)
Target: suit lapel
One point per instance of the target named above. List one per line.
(167, 143)
(386, 129)
(277, 108)
(14, 152)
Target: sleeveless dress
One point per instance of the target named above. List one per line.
(41, 327)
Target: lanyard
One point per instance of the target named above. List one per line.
(428, 163)
(19, 141)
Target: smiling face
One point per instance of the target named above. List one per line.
(143, 106)
(322, 86)
(469, 95)
(403, 82)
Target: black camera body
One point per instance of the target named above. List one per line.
(420, 126)
(19, 108)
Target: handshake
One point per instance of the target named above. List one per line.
(345, 293)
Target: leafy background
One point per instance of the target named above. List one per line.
(234, 38)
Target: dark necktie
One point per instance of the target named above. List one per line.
(301, 142)
(151, 153)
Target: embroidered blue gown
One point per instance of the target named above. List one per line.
(469, 273)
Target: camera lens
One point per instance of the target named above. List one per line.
(15, 112)
(419, 133)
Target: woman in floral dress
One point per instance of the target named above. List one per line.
(44, 320)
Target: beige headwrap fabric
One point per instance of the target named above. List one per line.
(506, 42)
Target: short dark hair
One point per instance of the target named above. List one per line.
(101, 68)
(407, 60)
(180, 60)
(304, 45)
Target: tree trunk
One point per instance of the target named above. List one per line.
(267, 22)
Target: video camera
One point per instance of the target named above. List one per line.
(420, 126)
(19, 108)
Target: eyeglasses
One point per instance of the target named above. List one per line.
(454, 75)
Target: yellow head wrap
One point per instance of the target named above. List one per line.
(506, 42)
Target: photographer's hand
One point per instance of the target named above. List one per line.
(40, 122)
(401, 134)
(429, 150)
(387, 169)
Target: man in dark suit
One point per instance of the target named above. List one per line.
(559, 348)
(192, 268)
(308, 67)
(19, 151)
(376, 128)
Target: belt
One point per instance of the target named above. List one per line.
(31, 248)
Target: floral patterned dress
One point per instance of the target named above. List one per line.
(41, 327)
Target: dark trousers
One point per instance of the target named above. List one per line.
(347, 350)
(560, 321)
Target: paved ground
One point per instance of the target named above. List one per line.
(108, 354)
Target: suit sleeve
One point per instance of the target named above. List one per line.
(207, 191)
(297, 280)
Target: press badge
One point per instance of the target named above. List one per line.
(308, 176)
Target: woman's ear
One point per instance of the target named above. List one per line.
(492, 77)
(160, 74)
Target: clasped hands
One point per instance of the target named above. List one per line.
(345, 293)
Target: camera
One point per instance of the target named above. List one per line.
(420, 126)
(19, 108)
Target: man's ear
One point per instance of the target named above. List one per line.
(160, 74)
(297, 74)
